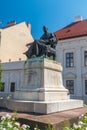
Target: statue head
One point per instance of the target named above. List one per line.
(45, 29)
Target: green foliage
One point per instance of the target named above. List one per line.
(82, 124)
(65, 123)
(9, 122)
(1, 85)
(49, 127)
(85, 105)
(36, 128)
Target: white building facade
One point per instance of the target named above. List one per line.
(71, 52)
(12, 75)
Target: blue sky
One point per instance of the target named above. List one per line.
(54, 14)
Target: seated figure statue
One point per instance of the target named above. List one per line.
(48, 38)
(45, 46)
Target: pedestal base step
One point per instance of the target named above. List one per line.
(43, 107)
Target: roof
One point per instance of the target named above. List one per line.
(13, 23)
(75, 29)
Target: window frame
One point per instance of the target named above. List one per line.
(85, 58)
(70, 88)
(85, 90)
(69, 59)
(12, 85)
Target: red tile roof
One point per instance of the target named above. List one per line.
(75, 29)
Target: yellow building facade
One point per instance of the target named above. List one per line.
(13, 40)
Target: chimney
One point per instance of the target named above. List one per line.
(11, 23)
(29, 26)
(78, 18)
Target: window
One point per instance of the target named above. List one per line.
(85, 87)
(85, 58)
(19, 59)
(2, 88)
(12, 88)
(69, 59)
(70, 86)
(9, 60)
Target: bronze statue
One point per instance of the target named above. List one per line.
(44, 47)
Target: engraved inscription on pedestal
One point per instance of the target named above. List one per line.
(31, 79)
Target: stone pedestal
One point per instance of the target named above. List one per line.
(42, 90)
(42, 82)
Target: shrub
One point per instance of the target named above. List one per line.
(9, 122)
(82, 124)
